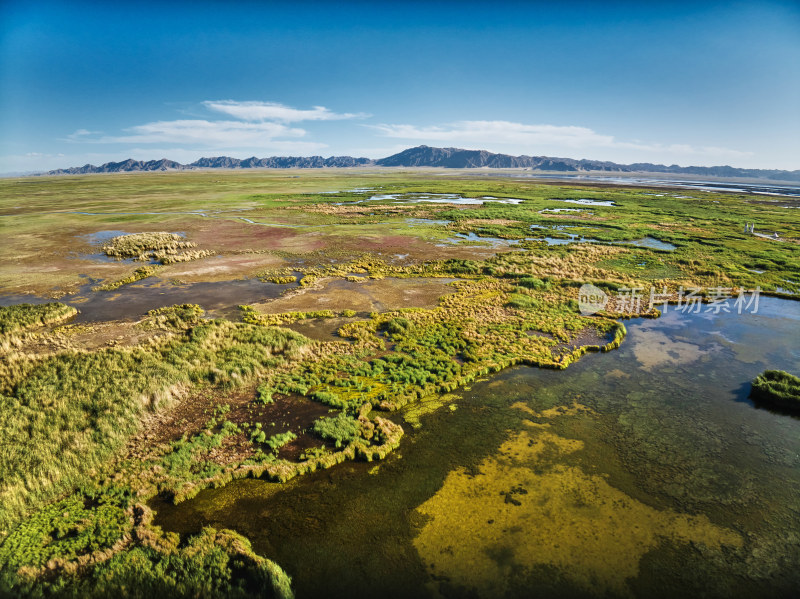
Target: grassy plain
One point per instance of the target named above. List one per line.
(427, 297)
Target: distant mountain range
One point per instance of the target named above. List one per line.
(434, 157)
(131, 166)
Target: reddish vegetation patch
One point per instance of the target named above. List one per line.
(575, 216)
(217, 268)
(223, 235)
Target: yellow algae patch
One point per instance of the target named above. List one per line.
(555, 411)
(524, 511)
(427, 405)
(618, 374)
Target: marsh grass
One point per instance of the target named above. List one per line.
(64, 416)
(140, 273)
(80, 524)
(179, 316)
(160, 246)
(211, 564)
(142, 246)
(341, 429)
(21, 317)
(778, 388)
(251, 316)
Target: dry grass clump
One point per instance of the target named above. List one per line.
(163, 247)
(575, 262)
(488, 221)
(173, 256)
(140, 245)
(137, 275)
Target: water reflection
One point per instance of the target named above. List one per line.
(639, 472)
(133, 301)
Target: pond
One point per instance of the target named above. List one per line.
(560, 210)
(640, 472)
(133, 301)
(475, 240)
(434, 198)
(587, 202)
(649, 242)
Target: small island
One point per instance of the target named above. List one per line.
(777, 388)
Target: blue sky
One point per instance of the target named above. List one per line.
(694, 83)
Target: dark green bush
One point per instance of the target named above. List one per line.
(341, 428)
(533, 283)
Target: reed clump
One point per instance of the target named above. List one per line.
(141, 246)
(778, 388)
(158, 246)
(20, 317)
(140, 273)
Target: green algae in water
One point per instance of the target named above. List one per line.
(658, 434)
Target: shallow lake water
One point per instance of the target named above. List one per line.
(649, 242)
(641, 472)
(587, 202)
(133, 301)
(435, 198)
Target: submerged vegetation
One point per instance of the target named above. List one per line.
(89, 435)
(777, 388)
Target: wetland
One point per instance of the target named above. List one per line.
(257, 384)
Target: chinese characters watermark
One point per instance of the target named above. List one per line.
(692, 300)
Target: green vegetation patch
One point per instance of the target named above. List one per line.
(19, 317)
(190, 456)
(778, 388)
(137, 275)
(78, 525)
(178, 316)
(211, 564)
(62, 417)
(342, 429)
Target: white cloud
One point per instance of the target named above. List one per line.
(544, 139)
(273, 111)
(503, 132)
(258, 126)
(81, 134)
(220, 134)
